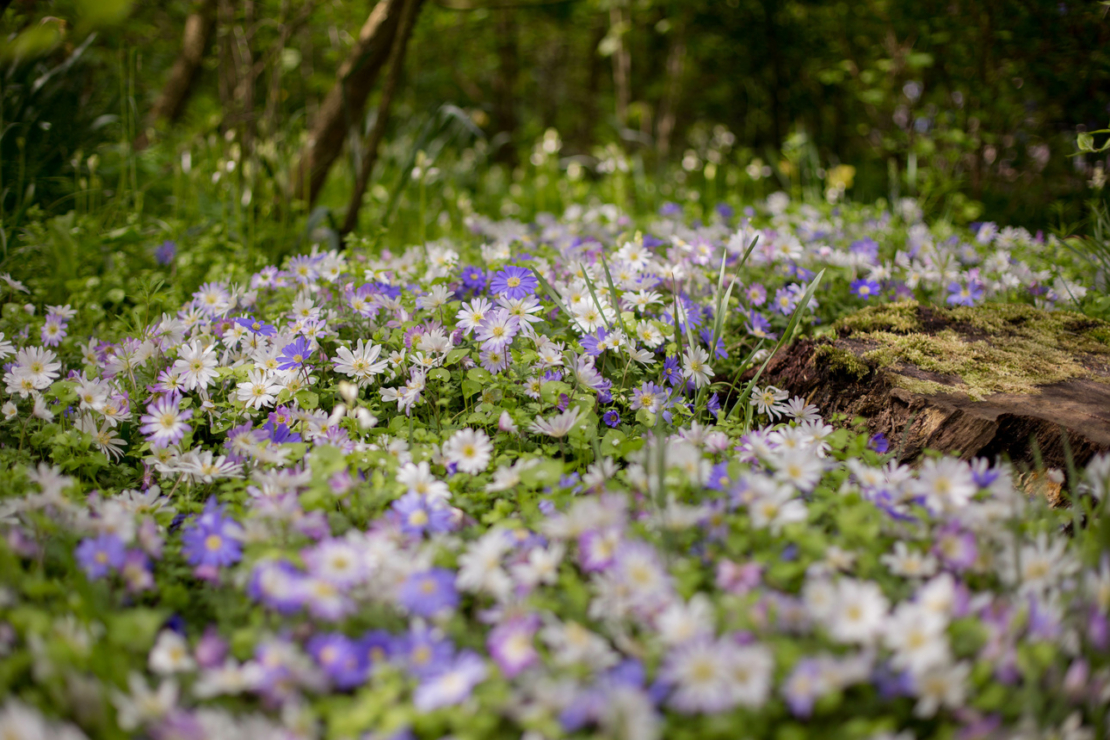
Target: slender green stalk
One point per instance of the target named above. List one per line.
(593, 294)
(551, 291)
(722, 304)
(613, 294)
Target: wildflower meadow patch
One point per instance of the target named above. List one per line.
(529, 483)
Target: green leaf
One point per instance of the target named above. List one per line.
(455, 355)
(307, 400)
(479, 375)
(547, 473)
(552, 389)
(103, 12)
(134, 629)
(611, 443)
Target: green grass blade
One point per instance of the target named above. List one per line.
(613, 295)
(593, 294)
(552, 292)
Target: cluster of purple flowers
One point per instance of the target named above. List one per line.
(617, 582)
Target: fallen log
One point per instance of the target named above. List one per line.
(995, 380)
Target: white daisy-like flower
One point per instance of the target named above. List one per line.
(259, 390)
(470, 450)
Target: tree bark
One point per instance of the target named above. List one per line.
(377, 132)
(171, 102)
(345, 102)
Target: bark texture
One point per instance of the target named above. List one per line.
(344, 105)
(1009, 381)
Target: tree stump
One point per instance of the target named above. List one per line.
(994, 380)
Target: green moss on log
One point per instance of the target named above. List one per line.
(993, 348)
(841, 361)
(900, 318)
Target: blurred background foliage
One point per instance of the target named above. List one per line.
(513, 107)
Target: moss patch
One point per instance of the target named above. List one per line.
(993, 348)
(921, 387)
(842, 361)
(900, 318)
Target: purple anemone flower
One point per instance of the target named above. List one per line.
(213, 539)
(165, 253)
(879, 443)
(591, 342)
(100, 555)
(294, 354)
(865, 289)
(513, 282)
(756, 294)
(256, 326)
(423, 651)
(164, 421)
(671, 372)
(429, 592)
(510, 644)
(473, 278)
(278, 584)
(803, 687)
(965, 295)
(759, 327)
(419, 515)
(377, 646)
(452, 683)
(340, 658)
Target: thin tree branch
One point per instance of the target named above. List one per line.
(467, 7)
(377, 132)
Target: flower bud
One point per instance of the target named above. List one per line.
(348, 392)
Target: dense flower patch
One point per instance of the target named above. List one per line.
(515, 487)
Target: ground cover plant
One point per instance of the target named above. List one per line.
(525, 481)
(407, 369)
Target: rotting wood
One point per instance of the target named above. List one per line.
(1052, 379)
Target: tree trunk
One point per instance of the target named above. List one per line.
(504, 87)
(377, 133)
(171, 102)
(228, 71)
(668, 106)
(622, 63)
(345, 102)
(777, 75)
(584, 131)
(244, 89)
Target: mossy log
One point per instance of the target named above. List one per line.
(993, 380)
